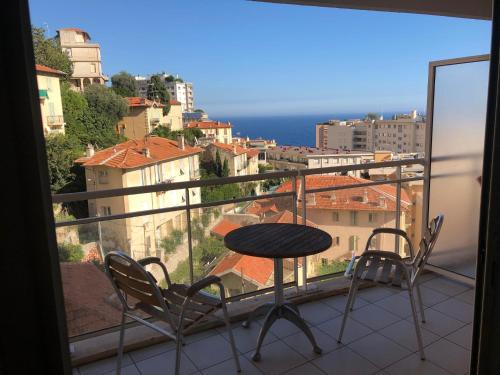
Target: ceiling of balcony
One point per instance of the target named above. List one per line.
(479, 9)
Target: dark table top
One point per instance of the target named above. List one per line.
(278, 240)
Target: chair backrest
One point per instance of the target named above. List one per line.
(129, 278)
(429, 238)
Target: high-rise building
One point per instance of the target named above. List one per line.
(179, 90)
(85, 56)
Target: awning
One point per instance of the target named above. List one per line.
(43, 94)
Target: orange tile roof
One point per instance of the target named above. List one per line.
(136, 101)
(286, 217)
(370, 198)
(46, 69)
(252, 152)
(261, 207)
(231, 148)
(208, 125)
(174, 102)
(258, 270)
(131, 154)
(224, 227)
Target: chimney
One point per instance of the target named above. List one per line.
(365, 196)
(145, 152)
(180, 141)
(234, 148)
(89, 151)
(381, 201)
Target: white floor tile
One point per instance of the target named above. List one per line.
(467, 296)
(208, 351)
(352, 331)
(229, 367)
(277, 358)
(403, 333)
(317, 312)
(430, 297)
(345, 361)
(375, 294)
(457, 309)
(449, 356)
(103, 366)
(300, 343)
(379, 350)
(246, 338)
(151, 351)
(396, 304)
(446, 286)
(462, 337)
(339, 302)
(305, 369)
(128, 370)
(413, 365)
(374, 317)
(164, 364)
(439, 323)
(283, 328)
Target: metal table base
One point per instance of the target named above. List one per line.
(279, 310)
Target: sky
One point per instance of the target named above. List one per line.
(248, 58)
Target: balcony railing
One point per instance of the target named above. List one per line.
(190, 234)
(55, 120)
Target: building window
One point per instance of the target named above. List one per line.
(354, 218)
(336, 241)
(372, 218)
(105, 211)
(158, 173)
(92, 68)
(353, 243)
(102, 177)
(143, 177)
(335, 216)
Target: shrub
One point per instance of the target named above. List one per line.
(70, 252)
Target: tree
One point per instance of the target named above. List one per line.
(218, 164)
(123, 84)
(104, 101)
(225, 169)
(158, 90)
(61, 153)
(48, 52)
(199, 111)
(372, 116)
(190, 135)
(70, 252)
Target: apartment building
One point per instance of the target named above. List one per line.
(242, 161)
(144, 116)
(214, 131)
(141, 162)
(173, 120)
(85, 56)
(183, 93)
(405, 133)
(350, 215)
(340, 159)
(49, 92)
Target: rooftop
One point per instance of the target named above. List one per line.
(136, 101)
(209, 125)
(138, 152)
(45, 69)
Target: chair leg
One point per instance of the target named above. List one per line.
(417, 324)
(120, 346)
(353, 299)
(420, 302)
(348, 305)
(231, 337)
(178, 349)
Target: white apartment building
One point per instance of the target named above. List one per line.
(214, 131)
(183, 93)
(85, 56)
(336, 160)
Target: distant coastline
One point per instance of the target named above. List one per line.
(294, 130)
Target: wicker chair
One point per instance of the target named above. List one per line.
(386, 268)
(182, 307)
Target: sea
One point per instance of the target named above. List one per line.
(292, 130)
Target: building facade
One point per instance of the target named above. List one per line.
(140, 163)
(183, 93)
(49, 92)
(173, 120)
(242, 161)
(214, 131)
(340, 159)
(144, 116)
(85, 56)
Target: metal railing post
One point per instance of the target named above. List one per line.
(294, 211)
(190, 238)
(304, 222)
(398, 206)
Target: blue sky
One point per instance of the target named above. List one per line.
(249, 58)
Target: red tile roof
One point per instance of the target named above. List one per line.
(174, 102)
(231, 148)
(370, 198)
(46, 69)
(261, 207)
(208, 125)
(136, 101)
(286, 217)
(257, 270)
(131, 154)
(252, 152)
(224, 227)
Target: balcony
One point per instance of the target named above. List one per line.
(55, 121)
(379, 339)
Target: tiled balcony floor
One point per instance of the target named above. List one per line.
(379, 339)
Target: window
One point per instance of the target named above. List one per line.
(354, 218)
(336, 241)
(353, 243)
(372, 218)
(102, 177)
(324, 261)
(105, 210)
(143, 177)
(158, 173)
(335, 216)
(92, 68)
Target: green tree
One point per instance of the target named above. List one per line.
(332, 267)
(158, 90)
(61, 153)
(263, 168)
(372, 116)
(199, 111)
(123, 84)
(48, 52)
(190, 135)
(104, 101)
(70, 252)
(218, 164)
(225, 169)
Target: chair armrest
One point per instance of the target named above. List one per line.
(396, 232)
(382, 254)
(149, 260)
(199, 285)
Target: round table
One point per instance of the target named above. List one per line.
(278, 241)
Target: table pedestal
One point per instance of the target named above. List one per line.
(279, 310)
